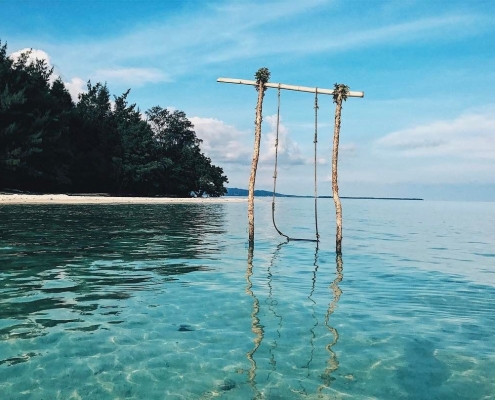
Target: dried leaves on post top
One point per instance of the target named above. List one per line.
(340, 90)
(262, 76)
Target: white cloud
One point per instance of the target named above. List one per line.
(240, 31)
(75, 87)
(470, 136)
(416, 30)
(301, 40)
(221, 142)
(232, 149)
(225, 144)
(289, 152)
(348, 150)
(457, 151)
(35, 54)
(134, 76)
(438, 172)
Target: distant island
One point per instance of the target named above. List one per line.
(267, 193)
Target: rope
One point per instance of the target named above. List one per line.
(275, 178)
(316, 184)
(275, 171)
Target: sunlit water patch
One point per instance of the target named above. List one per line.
(167, 301)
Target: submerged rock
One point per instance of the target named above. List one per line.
(228, 384)
(186, 328)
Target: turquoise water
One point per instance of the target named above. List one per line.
(165, 301)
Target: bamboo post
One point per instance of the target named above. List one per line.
(340, 94)
(262, 76)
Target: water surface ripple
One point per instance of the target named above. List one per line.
(168, 301)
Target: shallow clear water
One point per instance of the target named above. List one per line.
(165, 301)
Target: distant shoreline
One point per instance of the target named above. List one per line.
(236, 192)
(375, 198)
(14, 198)
(102, 198)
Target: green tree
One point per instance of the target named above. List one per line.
(95, 143)
(190, 172)
(29, 125)
(12, 99)
(210, 178)
(53, 161)
(141, 166)
(48, 143)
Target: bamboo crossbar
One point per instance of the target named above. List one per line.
(287, 87)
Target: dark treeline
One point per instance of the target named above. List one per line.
(50, 144)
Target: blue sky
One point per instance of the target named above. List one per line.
(425, 128)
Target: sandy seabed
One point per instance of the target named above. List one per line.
(65, 199)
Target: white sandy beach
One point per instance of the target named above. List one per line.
(65, 199)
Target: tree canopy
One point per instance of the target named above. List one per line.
(48, 143)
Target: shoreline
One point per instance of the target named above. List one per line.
(6, 199)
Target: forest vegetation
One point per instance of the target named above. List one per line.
(50, 144)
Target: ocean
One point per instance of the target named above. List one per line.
(168, 301)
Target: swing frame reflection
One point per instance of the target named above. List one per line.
(310, 383)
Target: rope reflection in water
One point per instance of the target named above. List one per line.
(271, 302)
(313, 327)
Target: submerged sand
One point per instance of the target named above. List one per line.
(65, 199)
